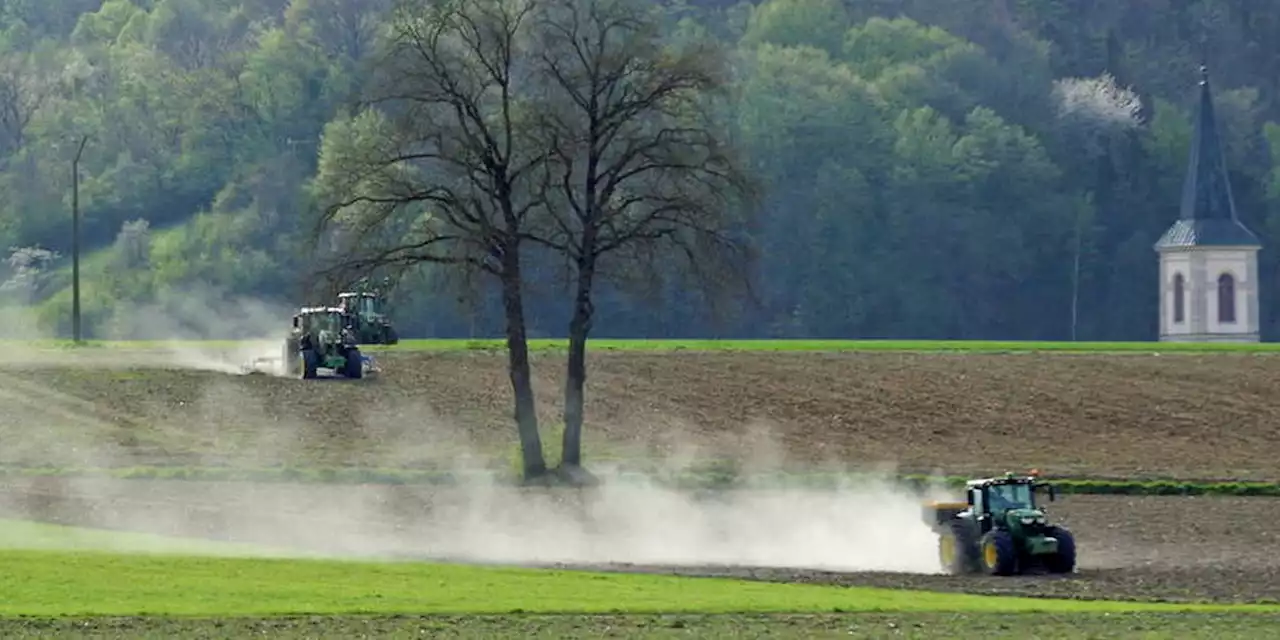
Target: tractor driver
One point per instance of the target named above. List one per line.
(1004, 497)
(997, 502)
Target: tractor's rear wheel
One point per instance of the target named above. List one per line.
(354, 367)
(998, 554)
(1064, 561)
(955, 551)
(310, 363)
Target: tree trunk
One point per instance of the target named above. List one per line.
(576, 375)
(535, 466)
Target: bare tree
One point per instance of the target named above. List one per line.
(640, 181)
(438, 169)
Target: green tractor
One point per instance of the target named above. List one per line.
(322, 338)
(1000, 530)
(372, 325)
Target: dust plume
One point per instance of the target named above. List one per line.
(179, 324)
(181, 331)
(872, 527)
(868, 524)
(632, 517)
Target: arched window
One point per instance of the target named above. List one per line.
(1226, 298)
(1179, 299)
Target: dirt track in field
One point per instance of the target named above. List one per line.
(1148, 548)
(1133, 415)
(1214, 416)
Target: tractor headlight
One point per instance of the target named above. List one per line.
(1033, 520)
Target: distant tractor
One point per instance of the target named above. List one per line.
(322, 338)
(365, 306)
(1000, 530)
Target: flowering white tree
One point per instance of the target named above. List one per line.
(1097, 106)
(28, 270)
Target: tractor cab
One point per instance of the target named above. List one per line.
(316, 319)
(322, 324)
(1006, 492)
(368, 317)
(361, 303)
(1005, 502)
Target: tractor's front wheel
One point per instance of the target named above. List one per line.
(1064, 561)
(999, 556)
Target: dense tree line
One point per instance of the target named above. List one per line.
(929, 168)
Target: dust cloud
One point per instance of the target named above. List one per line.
(629, 518)
(181, 332)
(863, 524)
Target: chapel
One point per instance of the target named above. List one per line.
(1208, 258)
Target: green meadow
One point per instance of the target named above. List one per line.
(53, 570)
(63, 581)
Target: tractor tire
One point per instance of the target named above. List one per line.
(354, 367)
(956, 551)
(389, 336)
(1064, 561)
(310, 363)
(997, 553)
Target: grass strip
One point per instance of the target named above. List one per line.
(645, 345)
(710, 477)
(56, 583)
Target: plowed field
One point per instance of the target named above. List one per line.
(1211, 416)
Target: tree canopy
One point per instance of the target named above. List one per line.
(928, 169)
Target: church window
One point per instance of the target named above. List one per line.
(1179, 299)
(1226, 298)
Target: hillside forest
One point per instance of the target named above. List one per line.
(988, 169)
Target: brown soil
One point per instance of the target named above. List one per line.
(1132, 415)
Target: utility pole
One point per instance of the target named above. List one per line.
(75, 241)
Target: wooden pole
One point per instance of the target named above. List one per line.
(75, 242)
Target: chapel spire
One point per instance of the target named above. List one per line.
(1207, 216)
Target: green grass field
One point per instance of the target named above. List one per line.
(607, 344)
(65, 581)
(50, 583)
(58, 571)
